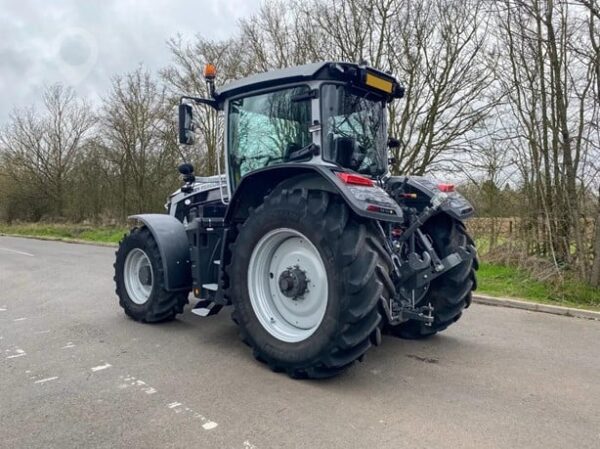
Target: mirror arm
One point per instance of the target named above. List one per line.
(206, 101)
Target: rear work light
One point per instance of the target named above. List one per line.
(446, 187)
(350, 178)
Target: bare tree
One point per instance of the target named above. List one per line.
(138, 140)
(42, 147)
(549, 80)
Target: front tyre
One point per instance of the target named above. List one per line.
(305, 283)
(140, 282)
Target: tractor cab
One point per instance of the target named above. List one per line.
(331, 114)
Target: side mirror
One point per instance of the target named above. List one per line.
(186, 128)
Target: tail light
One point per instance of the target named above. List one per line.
(446, 187)
(351, 178)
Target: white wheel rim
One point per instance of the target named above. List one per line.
(288, 319)
(138, 276)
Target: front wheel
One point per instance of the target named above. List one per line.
(305, 283)
(140, 282)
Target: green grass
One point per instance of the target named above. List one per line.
(501, 280)
(66, 232)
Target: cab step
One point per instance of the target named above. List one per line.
(210, 287)
(206, 307)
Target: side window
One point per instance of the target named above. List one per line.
(264, 129)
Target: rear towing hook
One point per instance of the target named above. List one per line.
(399, 311)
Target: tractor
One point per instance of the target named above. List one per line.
(306, 236)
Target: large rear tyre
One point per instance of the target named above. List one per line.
(140, 282)
(305, 283)
(450, 293)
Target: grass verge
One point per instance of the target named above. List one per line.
(66, 232)
(506, 281)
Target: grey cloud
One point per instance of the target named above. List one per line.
(85, 43)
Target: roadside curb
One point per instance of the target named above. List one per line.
(536, 307)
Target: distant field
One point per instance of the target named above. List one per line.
(493, 279)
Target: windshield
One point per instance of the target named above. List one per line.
(354, 129)
(265, 129)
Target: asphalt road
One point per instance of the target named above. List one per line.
(75, 372)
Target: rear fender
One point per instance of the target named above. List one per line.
(457, 206)
(255, 186)
(171, 239)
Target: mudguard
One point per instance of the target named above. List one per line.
(457, 205)
(171, 239)
(365, 201)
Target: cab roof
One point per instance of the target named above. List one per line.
(335, 71)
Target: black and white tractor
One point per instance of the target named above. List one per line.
(316, 248)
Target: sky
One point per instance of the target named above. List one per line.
(83, 43)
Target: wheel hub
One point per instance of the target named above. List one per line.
(293, 282)
(287, 285)
(138, 276)
(145, 275)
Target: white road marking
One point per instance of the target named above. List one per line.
(3, 309)
(42, 332)
(177, 407)
(18, 353)
(101, 367)
(209, 425)
(249, 445)
(22, 253)
(20, 319)
(47, 379)
(139, 383)
(68, 345)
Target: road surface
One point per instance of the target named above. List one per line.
(76, 372)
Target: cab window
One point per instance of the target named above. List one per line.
(264, 129)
